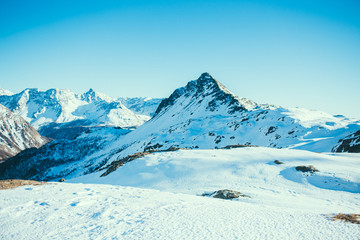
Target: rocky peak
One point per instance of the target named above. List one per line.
(92, 96)
(208, 87)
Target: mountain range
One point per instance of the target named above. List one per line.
(90, 136)
(61, 114)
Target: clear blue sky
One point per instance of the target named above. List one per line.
(291, 53)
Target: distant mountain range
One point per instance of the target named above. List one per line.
(204, 114)
(55, 110)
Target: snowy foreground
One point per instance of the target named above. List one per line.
(160, 199)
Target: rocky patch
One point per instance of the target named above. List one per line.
(225, 194)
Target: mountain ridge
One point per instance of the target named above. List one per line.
(206, 115)
(59, 106)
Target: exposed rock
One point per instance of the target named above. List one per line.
(206, 85)
(351, 144)
(305, 169)
(238, 146)
(16, 134)
(225, 194)
(278, 162)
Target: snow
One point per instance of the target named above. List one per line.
(251, 171)
(145, 106)
(310, 118)
(158, 197)
(85, 211)
(5, 92)
(62, 106)
(16, 134)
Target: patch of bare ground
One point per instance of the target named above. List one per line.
(350, 218)
(14, 183)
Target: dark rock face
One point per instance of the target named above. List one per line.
(349, 144)
(204, 86)
(306, 169)
(225, 194)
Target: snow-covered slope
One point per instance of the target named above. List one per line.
(283, 203)
(63, 106)
(244, 169)
(16, 134)
(141, 105)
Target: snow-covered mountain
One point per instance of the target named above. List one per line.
(142, 105)
(204, 114)
(5, 92)
(16, 134)
(56, 107)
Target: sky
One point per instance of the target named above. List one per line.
(282, 52)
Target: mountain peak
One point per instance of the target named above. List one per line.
(92, 95)
(90, 91)
(208, 94)
(205, 76)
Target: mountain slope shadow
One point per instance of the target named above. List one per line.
(321, 180)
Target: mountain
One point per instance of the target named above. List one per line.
(5, 92)
(50, 109)
(206, 115)
(141, 105)
(16, 134)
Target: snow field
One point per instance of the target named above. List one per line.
(251, 171)
(85, 211)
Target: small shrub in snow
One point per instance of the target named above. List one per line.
(351, 218)
(278, 162)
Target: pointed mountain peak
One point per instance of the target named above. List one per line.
(92, 95)
(205, 76)
(208, 94)
(90, 91)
